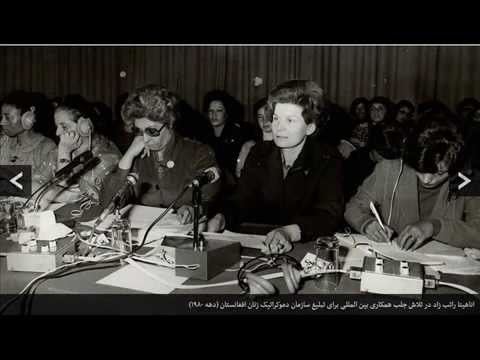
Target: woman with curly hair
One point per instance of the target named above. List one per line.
(164, 161)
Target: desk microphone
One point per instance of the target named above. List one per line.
(131, 180)
(208, 176)
(81, 159)
(84, 166)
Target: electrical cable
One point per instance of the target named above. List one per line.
(67, 272)
(47, 184)
(393, 192)
(164, 264)
(160, 217)
(458, 287)
(27, 288)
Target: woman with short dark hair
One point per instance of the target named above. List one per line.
(415, 196)
(358, 113)
(228, 131)
(405, 112)
(20, 142)
(385, 142)
(263, 132)
(380, 109)
(294, 186)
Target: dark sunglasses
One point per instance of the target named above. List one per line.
(150, 131)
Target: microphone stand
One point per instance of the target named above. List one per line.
(198, 240)
(42, 187)
(56, 180)
(161, 216)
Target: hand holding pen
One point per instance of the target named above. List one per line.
(378, 231)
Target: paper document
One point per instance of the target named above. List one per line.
(444, 258)
(158, 233)
(39, 219)
(140, 217)
(53, 232)
(45, 223)
(131, 277)
(246, 240)
(458, 265)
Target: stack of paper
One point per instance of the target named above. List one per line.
(441, 257)
(45, 223)
(144, 277)
(246, 240)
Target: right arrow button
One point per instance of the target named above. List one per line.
(465, 182)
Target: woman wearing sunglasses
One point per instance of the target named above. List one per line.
(164, 161)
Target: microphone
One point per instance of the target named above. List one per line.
(80, 159)
(131, 180)
(71, 175)
(208, 176)
(85, 166)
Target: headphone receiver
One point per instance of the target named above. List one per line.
(28, 118)
(257, 285)
(84, 126)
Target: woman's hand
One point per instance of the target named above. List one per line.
(415, 235)
(185, 214)
(280, 240)
(216, 223)
(69, 142)
(136, 148)
(375, 232)
(345, 148)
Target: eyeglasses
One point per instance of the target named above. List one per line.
(150, 131)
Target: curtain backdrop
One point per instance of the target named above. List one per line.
(417, 73)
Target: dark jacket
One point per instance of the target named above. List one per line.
(356, 169)
(228, 145)
(158, 186)
(309, 196)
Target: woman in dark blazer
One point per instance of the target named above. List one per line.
(296, 185)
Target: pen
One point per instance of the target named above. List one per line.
(377, 216)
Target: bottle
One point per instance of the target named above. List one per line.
(121, 233)
(327, 249)
(10, 220)
(2, 219)
(19, 218)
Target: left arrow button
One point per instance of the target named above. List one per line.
(15, 182)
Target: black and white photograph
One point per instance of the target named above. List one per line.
(239, 179)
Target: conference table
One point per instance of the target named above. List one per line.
(100, 298)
